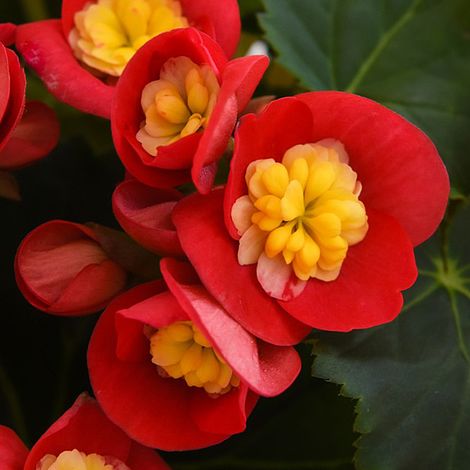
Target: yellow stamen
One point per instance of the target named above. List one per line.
(182, 351)
(309, 205)
(108, 33)
(76, 460)
(178, 104)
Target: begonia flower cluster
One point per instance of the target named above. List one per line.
(28, 130)
(314, 227)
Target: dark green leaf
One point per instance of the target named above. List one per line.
(306, 428)
(412, 377)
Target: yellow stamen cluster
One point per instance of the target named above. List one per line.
(108, 33)
(182, 351)
(76, 460)
(178, 104)
(305, 210)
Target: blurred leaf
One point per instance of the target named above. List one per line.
(248, 7)
(412, 377)
(411, 55)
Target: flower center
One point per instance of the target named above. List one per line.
(178, 104)
(76, 460)
(304, 209)
(108, 33)
(181, 350)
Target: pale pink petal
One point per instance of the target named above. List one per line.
(336, 145)
(278, 279)
(251, 245)
(327, 276)
(242, 211)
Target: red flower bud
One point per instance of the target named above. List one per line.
(26, 135)
(62, 269)
(145, 214)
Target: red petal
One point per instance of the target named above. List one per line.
(239, 81)
(4, 81)
(34, 137)
(176, 156)
(200, 227)
(132, 345)
(66, 283)
(145, 214)
(91, 290)
(12, 98)
(397, 164)
(7, 33)
(223, 18)
(233, 407)
(69, 8)
(84, 427)
(283, 124)
(47, 52)
(152, 410)
(13, 452)
(130, 151)
(266, 369)
(368, 290)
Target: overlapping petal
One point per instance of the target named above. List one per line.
(163, 412)
(200, 227)
(62, 269)
(35, 136)
(7, 33)
(398, 165)
(86, 428)
(220, 20)
(145, 214)
(46, 49)
(26, 135)
(172, 165)
(385, 151)
(13, 452)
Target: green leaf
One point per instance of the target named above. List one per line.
(412, 377)
(411, 55)
(308, 427)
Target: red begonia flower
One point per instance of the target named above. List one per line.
(46, 48)
(62, 269)
(13, 452)
(404, 192)
(164, 412)
(85, 429)
(195, 154)
(145, 214)
(25, 134)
